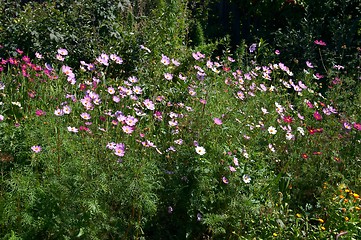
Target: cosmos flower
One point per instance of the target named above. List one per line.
(272, 130)
(225, 180)
(62, 51)
(317, 116)
(36, 149)
(320, 43)
(200, 150)
(246, 178)
(217, 121)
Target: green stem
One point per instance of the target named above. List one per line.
(323, 64)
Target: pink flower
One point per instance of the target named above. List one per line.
(36, 149)
(235, 161)
(309, 104)
(320, 42)
(309, 64)
(165, 60)
(203, 101)
(217, 121)
(232, 169)
(62, 51)
(128, 129)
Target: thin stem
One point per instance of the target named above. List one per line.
(323, 64)
(58, 148)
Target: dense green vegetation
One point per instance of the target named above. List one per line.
(176, 119)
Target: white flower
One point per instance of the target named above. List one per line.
(264, 110)
(301, 131)
(272, 130)
(59, 112)
(270, 146)
(246, 178)
(200, 150)
(72, 129)
(17, 104)
(289, 136)
(66, 109)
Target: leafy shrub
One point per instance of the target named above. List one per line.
(232, 146)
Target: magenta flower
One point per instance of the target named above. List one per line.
(357, 126)
(317, 116)
(83, 128)
(217, 121)
(320, 43)
(39, 112)
(2, 118)
(287, 119)
(36, 149)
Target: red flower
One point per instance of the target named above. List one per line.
(311, 131)
(226, 69)
(82, 86)
(304, 155)
(319, 130)
(288, 119)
